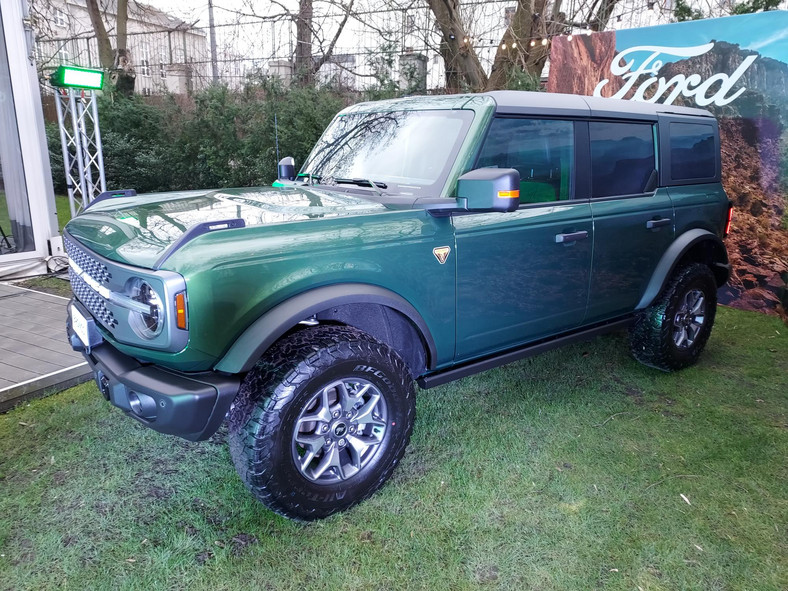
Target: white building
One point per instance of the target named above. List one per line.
(167, 54)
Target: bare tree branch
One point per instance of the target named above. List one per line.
(327, 55)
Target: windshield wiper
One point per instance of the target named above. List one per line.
(363, 183)
(331, 181)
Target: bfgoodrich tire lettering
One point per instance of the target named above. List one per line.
(671, 333)
(321, 421)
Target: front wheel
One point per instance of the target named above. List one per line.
(321, 421)
(671, 333)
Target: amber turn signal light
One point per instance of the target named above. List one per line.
(181, 320)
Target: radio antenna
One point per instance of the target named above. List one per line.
(276, 137)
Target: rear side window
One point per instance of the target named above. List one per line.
(692, 151)
(622, 158)
(541, 150)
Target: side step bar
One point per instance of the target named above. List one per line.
(472, 367)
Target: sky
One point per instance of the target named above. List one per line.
(197, 10)
(766, 33)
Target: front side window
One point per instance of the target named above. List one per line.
(541, 150)
(692, 151)
(622, 158)
(404, 152)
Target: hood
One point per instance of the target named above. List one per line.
(139, 230)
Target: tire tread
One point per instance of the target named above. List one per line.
(256, 414)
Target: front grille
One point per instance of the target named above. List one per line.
(87, 263)
(92, 301)
(99, 272)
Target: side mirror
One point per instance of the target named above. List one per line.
(489, 189)
(286, 169)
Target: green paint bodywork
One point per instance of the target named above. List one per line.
(506, 280)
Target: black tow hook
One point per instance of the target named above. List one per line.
(102, 382)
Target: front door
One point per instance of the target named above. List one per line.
(525, 274)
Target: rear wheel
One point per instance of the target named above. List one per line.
(321, 421)
(671, 333)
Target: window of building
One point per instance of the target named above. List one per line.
(63, 55)
(692, 151)
(59, 18)
(410, 23)
(145, 69)
(622, 158)
(542, 151)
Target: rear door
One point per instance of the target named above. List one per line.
(524, 275)
(691, 156)
(633, 218)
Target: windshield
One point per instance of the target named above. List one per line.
(400, 152)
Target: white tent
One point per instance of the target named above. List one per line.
(28, 222)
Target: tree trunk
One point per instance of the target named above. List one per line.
(124, 71)
(304, 65)
(530, 23)
(459, 58)
(515, 52)
(106, 55)
(598, 20)
(115, 62)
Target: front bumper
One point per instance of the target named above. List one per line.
(189, 405)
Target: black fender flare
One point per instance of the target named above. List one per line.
(670, 259)
(273, 324)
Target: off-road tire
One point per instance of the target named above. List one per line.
(653, 336)
(274, 398)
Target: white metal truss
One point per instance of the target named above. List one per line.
(80, 139)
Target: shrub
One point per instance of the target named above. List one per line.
(218, 138)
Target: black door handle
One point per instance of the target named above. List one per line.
(571, 237)
(653, 224)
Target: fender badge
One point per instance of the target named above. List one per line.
(441, 253)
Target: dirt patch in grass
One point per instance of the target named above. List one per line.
(50, 284)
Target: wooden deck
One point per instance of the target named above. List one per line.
(35, 357)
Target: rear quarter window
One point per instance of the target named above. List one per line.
(692, 151)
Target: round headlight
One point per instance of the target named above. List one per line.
(146, 325)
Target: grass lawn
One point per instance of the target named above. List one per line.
(63, 210)
(579, 469)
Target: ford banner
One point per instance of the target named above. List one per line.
(736, 67)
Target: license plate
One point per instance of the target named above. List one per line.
(80, 325)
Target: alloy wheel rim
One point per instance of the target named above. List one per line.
(340, 431)
(689, 319)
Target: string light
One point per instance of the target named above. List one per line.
(569, 38)
(514, 45)
(544, 41)
(533, 42)
(503, 46)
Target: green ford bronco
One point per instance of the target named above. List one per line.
(423, 240)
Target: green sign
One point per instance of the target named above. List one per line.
(73, 77)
